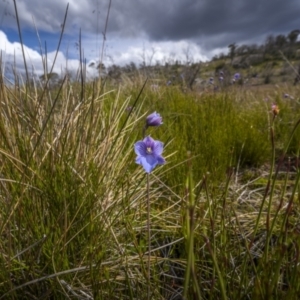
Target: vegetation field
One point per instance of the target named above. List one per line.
(224, 208)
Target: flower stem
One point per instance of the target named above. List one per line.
(144, 131)
(149, 233)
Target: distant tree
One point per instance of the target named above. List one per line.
(172, 58)
(51, 79)
(157, 63)
(215, 57)
(143, 57)
(151, 56)
(280, 41)
(127, 68)
(222, 55)
(232, 48)
(114, 72)
(293, 35)
(101, 67)
(187, 53)
(243, 49)
(270, 44)
(92, 64)
(253, 49)
(130, 68)
(133, 66)
(191, 74)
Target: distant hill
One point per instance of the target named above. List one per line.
(277, 60)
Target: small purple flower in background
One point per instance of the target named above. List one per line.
(221, 78)
(237, 76)
(169, 82)
(221, 73)
(211, 80)
(154, 120)
(288, 96)
(148, 153)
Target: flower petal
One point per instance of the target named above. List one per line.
(140, 148)
(148, 162)
(158, 147)
(160, 160)
(149, 142)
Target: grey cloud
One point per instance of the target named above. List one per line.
(210, 23)
(234, 20)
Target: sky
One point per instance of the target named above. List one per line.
(136, 30)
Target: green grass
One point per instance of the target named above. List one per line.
(73, 213)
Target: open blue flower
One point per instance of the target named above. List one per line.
(154, 120)
(148, 153)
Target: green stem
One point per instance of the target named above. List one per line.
(267, 189)
(269, 232)
(149, 234)
(190, 226)
(215, 262)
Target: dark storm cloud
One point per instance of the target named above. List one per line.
(210, 23)
(217, 22)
